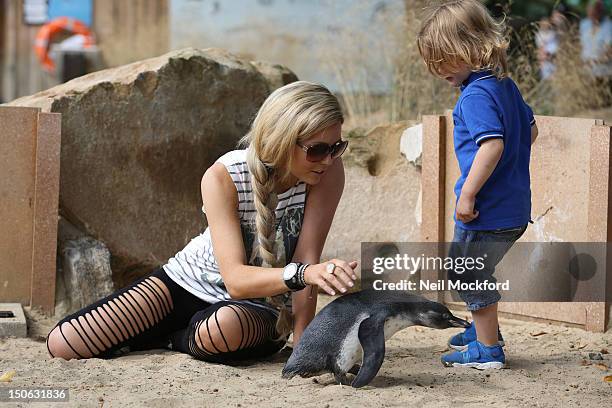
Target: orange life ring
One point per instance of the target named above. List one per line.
(47, 31)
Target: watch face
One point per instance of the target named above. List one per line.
(290, 271)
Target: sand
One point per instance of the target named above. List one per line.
(548, 365)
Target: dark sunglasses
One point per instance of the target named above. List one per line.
(319, 151)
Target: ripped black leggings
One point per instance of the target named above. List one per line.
(155, 312)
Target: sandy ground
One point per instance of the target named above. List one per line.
(548, 365)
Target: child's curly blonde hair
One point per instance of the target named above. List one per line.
(462, 31)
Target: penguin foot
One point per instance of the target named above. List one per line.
(287, 375)
(342, 379)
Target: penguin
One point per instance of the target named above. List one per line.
(361, 321)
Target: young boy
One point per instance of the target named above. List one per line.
(493, 132)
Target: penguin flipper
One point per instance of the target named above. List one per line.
(372, 339)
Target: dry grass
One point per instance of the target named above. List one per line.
(572, 88)
(379, 71)
(388, 49)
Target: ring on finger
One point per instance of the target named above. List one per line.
(330, 268)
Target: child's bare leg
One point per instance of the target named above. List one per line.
(486, 323)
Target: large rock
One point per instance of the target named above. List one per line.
(84, 276)
(136, 140)
(83, 270)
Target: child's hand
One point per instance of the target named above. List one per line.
(465, 208)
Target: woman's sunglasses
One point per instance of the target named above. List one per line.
(319, 151)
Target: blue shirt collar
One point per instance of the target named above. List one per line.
(476, 76)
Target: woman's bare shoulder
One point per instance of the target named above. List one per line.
(218, 184)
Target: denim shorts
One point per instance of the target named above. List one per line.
(490, 247)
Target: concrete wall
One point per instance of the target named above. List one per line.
(129, 31)
(381, 195)
(320, 40)
(560, 168)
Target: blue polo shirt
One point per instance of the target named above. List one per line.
(489, 108)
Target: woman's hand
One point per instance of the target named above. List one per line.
(332, 275)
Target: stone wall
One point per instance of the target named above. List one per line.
(381, 198)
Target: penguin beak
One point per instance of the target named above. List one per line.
(454, 321)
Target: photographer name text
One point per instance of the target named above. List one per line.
(441, 284)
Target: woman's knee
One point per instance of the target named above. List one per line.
(222, 331)
(57, 346)
(227, 332)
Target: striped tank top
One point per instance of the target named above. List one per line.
(195, 268)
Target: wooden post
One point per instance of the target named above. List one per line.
(600, 215)
(432, 188)
(433, 178)
(17, 155)
(46, 203)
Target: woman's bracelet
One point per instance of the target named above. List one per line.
(301, 271)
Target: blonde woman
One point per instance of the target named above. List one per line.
(240, 288)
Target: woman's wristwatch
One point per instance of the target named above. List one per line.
(293, 275)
